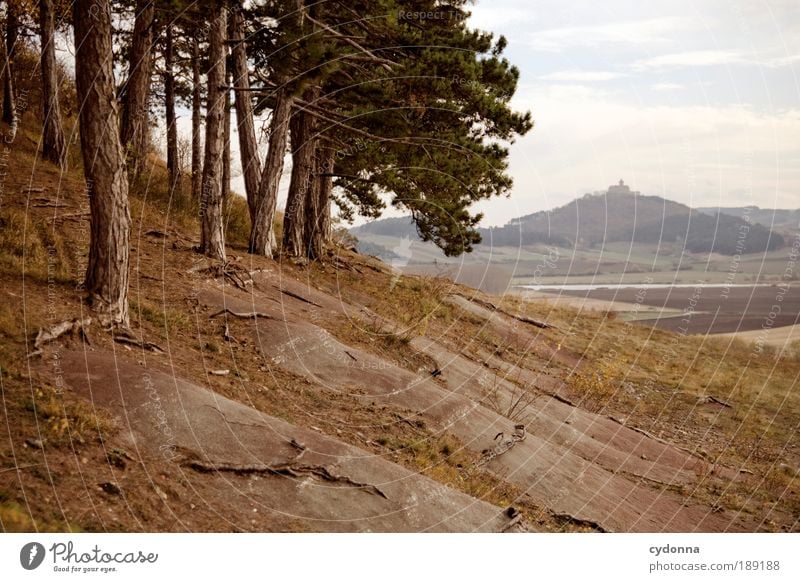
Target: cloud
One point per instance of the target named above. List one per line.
(634, 32)
(586, 138)
(582, 76)
(691, 59)
(667, 87)
(710, 58)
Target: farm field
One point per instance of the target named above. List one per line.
(714, 309)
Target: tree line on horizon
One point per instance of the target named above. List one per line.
(381, 101)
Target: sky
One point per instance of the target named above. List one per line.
(696, 101)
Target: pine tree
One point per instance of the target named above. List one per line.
(136, 90)
(54, 147)
(103, 163)
(212, 240)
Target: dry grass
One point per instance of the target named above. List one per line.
(15, 518)
(31, 247)
(661, 382)
(64, 420)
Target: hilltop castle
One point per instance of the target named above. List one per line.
(621, 188)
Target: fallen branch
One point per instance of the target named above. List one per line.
(285, 469)
(241, 315)
(226, 333)
(229, 272)
(698, 453)
(20, 468)
(503, 446)
(72, 326)
(298, 297)
(517, 519)
(522, 318)
(716, 400)
(51, 205)
(132, 341)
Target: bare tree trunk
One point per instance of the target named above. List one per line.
(136, 95)
(54, 147)
(197, 164)
(9, 101)
(318, 206)
(173, 166)
(262, 231)
(312, 240)
(212, 241)
(103, 163)
(226, 138)
(248, 146)
(303, 128)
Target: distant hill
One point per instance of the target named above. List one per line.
(591, 220)
(596, 219)
(783, 218)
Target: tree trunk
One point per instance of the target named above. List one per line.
(136, 95)
(248, 146)
(303, 129)
(169, 104)
(262, 231)
(54, 147)
(103, 163)
(226, 138)
(9, 98)
(197, 164)
(318, 203)
(212, 242)
(312, 240)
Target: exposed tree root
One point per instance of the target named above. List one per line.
(715, 400)
(698, 453)
(241, 315)
(566, 517)
(131, 340)
(298, 297)
(286, 469)
(235, 274)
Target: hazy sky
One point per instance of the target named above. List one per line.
(696, 101)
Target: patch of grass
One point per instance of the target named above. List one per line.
(236, 219)
(16, 519)
(597, 385)
(31, 247)
(163, 317)
(152, 189)
(10, 321)
(65, 421)
(443, 458)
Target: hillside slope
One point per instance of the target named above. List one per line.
(339, 396)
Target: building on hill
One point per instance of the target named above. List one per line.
(621, 188)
